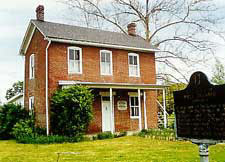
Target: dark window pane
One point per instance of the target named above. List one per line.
(132, 101)
(71, 54)
(136, 101)
(102, 57)
(77, 55)
(130, 60)
(132, 111)
(107, 57)
(135, 60)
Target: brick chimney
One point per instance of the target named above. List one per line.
(131, 29)
(40, 13)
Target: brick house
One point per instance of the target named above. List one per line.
(119, 68)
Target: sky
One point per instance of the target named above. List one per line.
(14, 19)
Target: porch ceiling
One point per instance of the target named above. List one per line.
(112, 85)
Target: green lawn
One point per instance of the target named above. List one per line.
(125, 149)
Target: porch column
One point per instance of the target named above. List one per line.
(164, 108)
(112, 114)
(145, 113)
(139, 107)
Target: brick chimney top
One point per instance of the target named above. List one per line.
(40, 13)
(131, 29)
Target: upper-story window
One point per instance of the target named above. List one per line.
(106, 62)
(134, 69)
(75, 60)
(31, 67)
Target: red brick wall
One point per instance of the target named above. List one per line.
(36, 87)
(152, 110)
(58, 67)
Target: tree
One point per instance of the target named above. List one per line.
(71, 111)
(17, 88)
(218, 73)
(179, 28)
(10, 114)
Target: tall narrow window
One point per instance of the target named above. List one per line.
(133, 60)
(75, 60)
(31, 66)
(134, 107)
(106, 62)
(31, 104)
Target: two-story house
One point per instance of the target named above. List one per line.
(119, 68)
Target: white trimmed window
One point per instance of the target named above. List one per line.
(106, 62)
(134, 67)
(31, 67)
(75, 60)
(31, 104)
(134, 107)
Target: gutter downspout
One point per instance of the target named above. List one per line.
(46, 86)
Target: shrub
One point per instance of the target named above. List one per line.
(41, 139)
(10, 114)
(104, 135)
(26, 132)
(71, 111)
(121, 134)
(161, 134)
(23, 129)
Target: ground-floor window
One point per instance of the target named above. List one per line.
(31, 105)
(134, 107)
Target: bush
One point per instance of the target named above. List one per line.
(121, 134)
(23, 129)
(10, 114)
(104, 135)
(71, 111)
(40, 139)
(26, 132)
(161, 134)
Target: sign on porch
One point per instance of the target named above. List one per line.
(200, 109)
(122, 105)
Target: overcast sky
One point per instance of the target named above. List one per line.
(14, 19)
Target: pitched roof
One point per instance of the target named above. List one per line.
(68, 33)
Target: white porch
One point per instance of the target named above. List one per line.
(137, 89)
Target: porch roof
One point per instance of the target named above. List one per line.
(112, 85)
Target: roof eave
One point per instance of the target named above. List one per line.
(102, 45)
(15, 97)
(112, 85)
(24, 46)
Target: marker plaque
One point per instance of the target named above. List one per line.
(200, 110)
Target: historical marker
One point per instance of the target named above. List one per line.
(200, 113)
(200, 109)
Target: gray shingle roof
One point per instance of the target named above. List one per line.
(75, 33)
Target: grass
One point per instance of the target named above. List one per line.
(124, 149)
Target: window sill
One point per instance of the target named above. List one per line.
(74, 73)
(134, 117)
(106, 75)
(134, 76)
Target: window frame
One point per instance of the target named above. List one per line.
(68, 60)
(111, 62)
(32, 67)
(138, 64)
(31, 105)
(134, 117)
